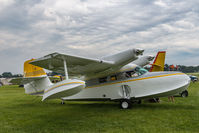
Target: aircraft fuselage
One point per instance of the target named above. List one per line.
(148, 85)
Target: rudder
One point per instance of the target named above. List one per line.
(158, 64)
(31, 70)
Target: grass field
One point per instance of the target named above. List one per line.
(22, 113)
(195, 74)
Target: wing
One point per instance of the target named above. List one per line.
(16, 81)
(25, 80)
(87, 67)
(75, 65)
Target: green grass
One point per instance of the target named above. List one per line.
(22, 113)
(195, 74)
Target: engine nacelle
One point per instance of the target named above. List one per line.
(145, 60)
(124, 57)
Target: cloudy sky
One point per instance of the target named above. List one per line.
(94, 28)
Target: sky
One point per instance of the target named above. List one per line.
(96, 28)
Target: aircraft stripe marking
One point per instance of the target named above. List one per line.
(115, 82)
(135, 79)
(63, 85)
(36, 93)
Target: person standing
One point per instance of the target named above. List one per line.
(171, 99)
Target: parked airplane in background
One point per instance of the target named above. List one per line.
(5, 81)
(109, 78)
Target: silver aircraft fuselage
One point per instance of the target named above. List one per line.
(148, 85)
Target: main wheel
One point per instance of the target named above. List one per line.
(62, 102)
(1, 84)
(184, 93)
(139, 101)
(125, 104)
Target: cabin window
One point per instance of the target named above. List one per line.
(137, 72)
(102, 80)
(122, 75)
(130, 74)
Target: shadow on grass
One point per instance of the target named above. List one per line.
(169, 106)
(102, 105)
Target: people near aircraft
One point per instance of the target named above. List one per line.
(171, 99)
(61, 78)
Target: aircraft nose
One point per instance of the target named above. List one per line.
(139, 51)
(182, 81)
(188, 79)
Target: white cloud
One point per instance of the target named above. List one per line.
(96, 28)
(160, 3)
(5, 3)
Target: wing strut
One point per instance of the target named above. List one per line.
(65, 69)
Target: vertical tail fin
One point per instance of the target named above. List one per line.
(32, 71)
(158, 64)
(35, 79)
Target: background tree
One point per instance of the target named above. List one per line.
(17, 75)
(166, 67)
(7, 75)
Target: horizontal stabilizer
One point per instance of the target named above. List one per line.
(30, 79)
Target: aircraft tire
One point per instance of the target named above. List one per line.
(125, 104)
(62, 102)
(184, 93)
(1, 84)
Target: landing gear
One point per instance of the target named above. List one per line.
(184, 93)
(139, 101)
(62, 102)
(125, 104)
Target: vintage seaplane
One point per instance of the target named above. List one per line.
(117, 77)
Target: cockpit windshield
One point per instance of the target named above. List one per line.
(140, 70)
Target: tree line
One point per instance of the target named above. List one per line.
(10, 75)
(182, 68)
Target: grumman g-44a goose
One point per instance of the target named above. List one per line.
(117, 77)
